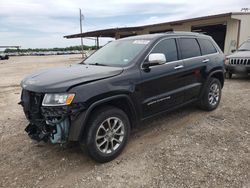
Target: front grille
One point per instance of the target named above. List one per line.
(32, 102)
(240, 61)
(35, 102)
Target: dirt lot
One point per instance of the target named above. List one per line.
(185, 148)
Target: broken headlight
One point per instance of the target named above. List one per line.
(57, 99)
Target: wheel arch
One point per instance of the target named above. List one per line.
(121, 101)
(219, 74)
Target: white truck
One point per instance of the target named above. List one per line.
(239, 61)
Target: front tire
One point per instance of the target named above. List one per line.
(211, 96)
(229, 75)
(108, 133)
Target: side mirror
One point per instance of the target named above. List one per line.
(233, 50)
(155, 59)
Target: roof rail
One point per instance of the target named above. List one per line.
(184, 32)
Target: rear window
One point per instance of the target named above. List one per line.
(207, 47)
(168, 48)
(189, 48)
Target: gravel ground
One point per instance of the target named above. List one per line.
(184, 148)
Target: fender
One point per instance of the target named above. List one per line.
(79, 124)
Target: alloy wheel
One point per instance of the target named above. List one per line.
(110, 135)
(214, 94)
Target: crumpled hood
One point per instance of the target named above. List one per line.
(240, 54)
(61, 79)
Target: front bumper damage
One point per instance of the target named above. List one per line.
(55, 132)
(55, 124)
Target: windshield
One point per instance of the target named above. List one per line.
(245, 46)
(117, 53)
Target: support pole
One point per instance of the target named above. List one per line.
(81, 32)
(97, 43)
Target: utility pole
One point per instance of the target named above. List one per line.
(81, 17)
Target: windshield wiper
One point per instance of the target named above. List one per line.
(98, 64)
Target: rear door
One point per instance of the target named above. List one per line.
(194, 66)
(162, 85)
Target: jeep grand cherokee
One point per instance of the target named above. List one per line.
(239, 61)
(98, 101)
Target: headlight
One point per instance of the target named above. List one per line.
(226, 61)
(58, 99)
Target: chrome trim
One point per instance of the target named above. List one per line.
(179, 60)
(205, 60)
(239, 61)
(179, 67)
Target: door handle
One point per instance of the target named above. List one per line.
(178, 67)
(205, 60)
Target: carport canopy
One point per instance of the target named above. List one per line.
(152, 28)
(107, 32)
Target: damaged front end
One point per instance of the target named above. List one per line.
(47, 123)
(56, 131)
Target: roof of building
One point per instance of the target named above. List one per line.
(132, 30)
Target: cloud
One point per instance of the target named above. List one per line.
(43, 23)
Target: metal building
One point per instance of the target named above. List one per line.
(229, 30)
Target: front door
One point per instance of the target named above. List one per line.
(162, 85)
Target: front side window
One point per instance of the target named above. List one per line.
(207, 47)
(117, 53)
(189, 48)
(168, 48)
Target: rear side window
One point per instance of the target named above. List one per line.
(189, 47)
(207, 47)
(168, 48)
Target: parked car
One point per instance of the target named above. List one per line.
(239, 61)
(3, 56)
(98, 101)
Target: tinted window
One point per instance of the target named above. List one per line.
(189, 48)
(168, 48)
(207, 47)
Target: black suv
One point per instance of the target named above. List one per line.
(98, 101)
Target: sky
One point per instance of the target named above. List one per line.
(43, 23)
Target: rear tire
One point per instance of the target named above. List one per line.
(108, 133)
(211, 96)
